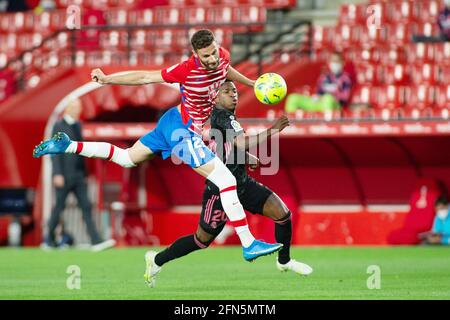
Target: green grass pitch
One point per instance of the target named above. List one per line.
(221, 273)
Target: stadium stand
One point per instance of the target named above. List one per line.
(321, 165)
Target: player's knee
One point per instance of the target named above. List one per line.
(229, 180)
(221, 176)
(285, 217)
(122, 157)
(204, 238)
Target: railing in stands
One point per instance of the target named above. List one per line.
(289, 40)
(73, 43)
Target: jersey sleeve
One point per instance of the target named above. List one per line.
(176, 73)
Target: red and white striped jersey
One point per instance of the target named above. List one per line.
(198, 86)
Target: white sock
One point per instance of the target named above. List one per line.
(236, 214)
(102, 150)
(245, 235)
(226, 182)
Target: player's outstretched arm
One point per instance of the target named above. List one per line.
(235, 75)
(246, 142)
(131, 78)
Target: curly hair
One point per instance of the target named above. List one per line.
(202, 39)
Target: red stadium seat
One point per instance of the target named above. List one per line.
(443, 96)
(396, 74)
(428, 29)
(368, 73)
(371, 54)
(249, 14)
(49, 21)
(421, 96)
(401, 34)
(8, 42)
(347, 35)
(322, 37)
(442, 53)
(113, 40)
(374, 37)
(195, 15)
(393, 54)
(392, 96)
(421, 52)
(352, 14)
(426, 73)
(168, 16)
(224, 37)
(429, 10)
(143, 17)
(119, 17)
(28, 21)
(404, 11)
(218, 14)
(366, 94)
(139, 39)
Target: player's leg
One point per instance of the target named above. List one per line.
(181, 247)
(81, 193)
(84, 204)
(212, 221)
(275, 209)
(216, 172)
(259, 199)
(60, 203)
(185, 245)
(61, 143)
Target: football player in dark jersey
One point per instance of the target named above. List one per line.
(231, 144)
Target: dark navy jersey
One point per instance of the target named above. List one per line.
(224, 128)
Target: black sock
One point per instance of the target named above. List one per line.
(283, 234)
(181, 247)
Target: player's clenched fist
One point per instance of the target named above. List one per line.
(281, 123)
(97, 75)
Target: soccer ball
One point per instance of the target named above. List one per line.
(270, 88)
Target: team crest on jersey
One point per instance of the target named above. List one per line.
(236, 126)
(232, 117)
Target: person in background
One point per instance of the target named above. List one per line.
(440, 233)
(444, 21)
(333, 90)
(69, 175)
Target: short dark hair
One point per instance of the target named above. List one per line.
(442, 199)
(202, 39)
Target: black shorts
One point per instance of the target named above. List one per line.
(213, 218)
